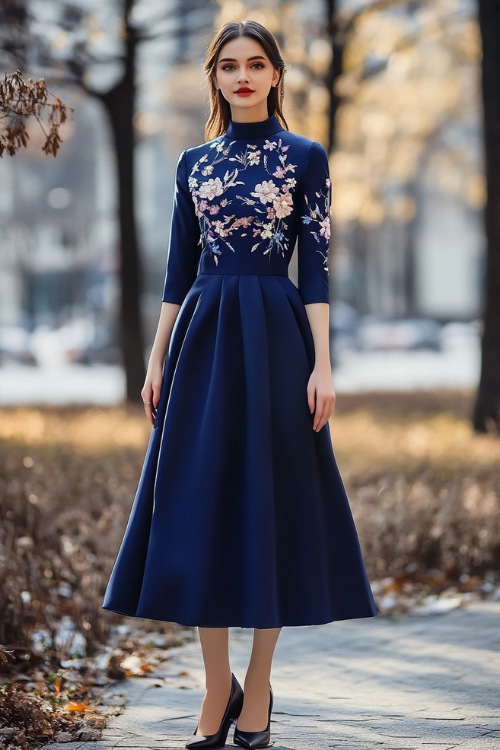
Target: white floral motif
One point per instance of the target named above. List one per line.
(254, 158)
(322, 218)
(266, 191)
(266, 232)
(211, 188)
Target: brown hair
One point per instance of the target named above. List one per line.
(220, 111)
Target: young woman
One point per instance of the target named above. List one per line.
(240, 517)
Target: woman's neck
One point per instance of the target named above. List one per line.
(252, 114)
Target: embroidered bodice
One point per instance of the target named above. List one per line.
(242, 201)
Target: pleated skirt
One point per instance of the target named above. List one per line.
(240, 516)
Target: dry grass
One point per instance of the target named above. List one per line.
(424, 490)
(67, 479)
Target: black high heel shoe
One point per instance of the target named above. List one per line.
(233, 710)
(252, 740)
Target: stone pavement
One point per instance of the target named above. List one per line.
(416, 682)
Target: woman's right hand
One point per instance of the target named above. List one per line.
(151, 390)
(154, 375)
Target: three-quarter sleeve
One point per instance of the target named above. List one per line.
(184, 247)
(314, 227)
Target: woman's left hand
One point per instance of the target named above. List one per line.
(321, 396)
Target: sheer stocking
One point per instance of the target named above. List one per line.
(215, 650)
(253, 717)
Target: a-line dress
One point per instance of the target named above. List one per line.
(240, 517)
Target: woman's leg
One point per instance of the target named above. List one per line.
(215, 650)
(253, 717)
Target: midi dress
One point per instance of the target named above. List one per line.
(240, 516)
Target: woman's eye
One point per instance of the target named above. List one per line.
(228, 66)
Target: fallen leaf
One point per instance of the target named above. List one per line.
(63, 737)
(87, 733)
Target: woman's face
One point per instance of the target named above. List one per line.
(245, 75)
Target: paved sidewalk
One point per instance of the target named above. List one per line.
(426, 682)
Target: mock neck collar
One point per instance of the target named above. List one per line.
(236, 130)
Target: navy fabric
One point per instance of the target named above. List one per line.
(240, 517)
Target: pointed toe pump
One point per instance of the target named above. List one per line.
(233, 710)
(253, 740)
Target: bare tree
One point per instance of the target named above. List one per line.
(119, 101)
(486, 417)
(340, 25)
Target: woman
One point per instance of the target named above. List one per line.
(240, 517)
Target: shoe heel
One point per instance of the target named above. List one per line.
(218, 740)
(251, 740)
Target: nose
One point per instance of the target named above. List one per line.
(242, 75)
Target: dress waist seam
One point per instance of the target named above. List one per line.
(242, 273)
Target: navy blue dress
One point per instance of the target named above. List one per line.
(241, 517)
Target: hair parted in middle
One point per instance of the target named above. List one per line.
(220, 111)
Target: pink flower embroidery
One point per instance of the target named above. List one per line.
(283, 205)
(244, 221)
(325, 228)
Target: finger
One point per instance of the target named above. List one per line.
(325, 413)
(147, 394)
(156, 395)
(311, 398)
(330, 405)
(148, 408)
(334, 401)
(320, 406)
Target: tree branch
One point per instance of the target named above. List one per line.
(21, 100)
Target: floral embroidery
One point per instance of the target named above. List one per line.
(270, 202)
(273, 202)
(266, 191)
(283, 205)
(211, 188)
(322, 219)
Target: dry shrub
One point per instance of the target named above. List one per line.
(425, 490)
(65, 494)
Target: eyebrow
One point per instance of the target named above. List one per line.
(233, 59)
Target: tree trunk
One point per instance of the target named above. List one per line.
(486, 417)
(337, 39)
(120, 106)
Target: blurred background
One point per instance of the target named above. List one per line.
(392, 91)
(404, 96)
